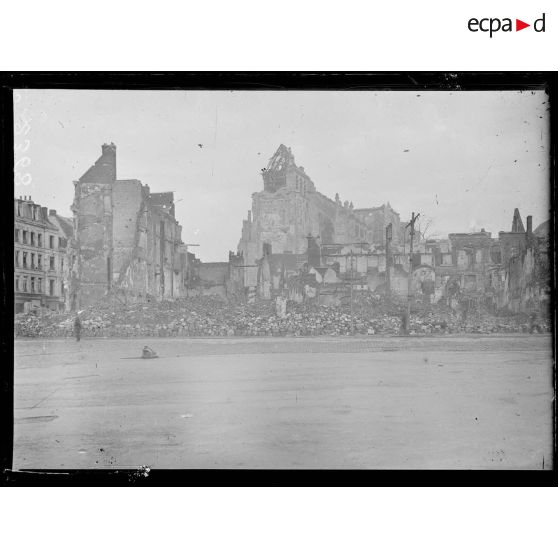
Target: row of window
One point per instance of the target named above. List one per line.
(24, 284)
(31, 260)
(34, 211)
(34, 239)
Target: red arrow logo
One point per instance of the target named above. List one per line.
(519, 25)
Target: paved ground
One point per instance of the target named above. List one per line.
(451, 402)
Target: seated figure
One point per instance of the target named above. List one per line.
(148, 353)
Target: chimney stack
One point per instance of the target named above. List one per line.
(529, 224)
(108, 148)
(104, 169)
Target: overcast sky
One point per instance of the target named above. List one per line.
(462, 159)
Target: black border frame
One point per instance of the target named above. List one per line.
(279, 81)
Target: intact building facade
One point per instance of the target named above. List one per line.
(40, 259)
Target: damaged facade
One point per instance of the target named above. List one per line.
(300, 244)
(126, 239)
(294, 233)
(290, 208)
(224, 279)
(525, 268)
(377, 219)
(466, 271)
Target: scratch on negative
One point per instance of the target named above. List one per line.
(44, 398)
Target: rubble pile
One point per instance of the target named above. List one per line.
(211, 316)
(28, 325)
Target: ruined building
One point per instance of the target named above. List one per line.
(466, 270)
(126, 239)
(299, 243)
(525, 267)
(377, 219)
(289, 209)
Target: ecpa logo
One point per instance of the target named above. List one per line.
(494, 24)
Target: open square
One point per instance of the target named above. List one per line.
(366, 403)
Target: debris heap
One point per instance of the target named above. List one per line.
(211, 316)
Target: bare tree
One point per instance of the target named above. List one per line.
(424, 224)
